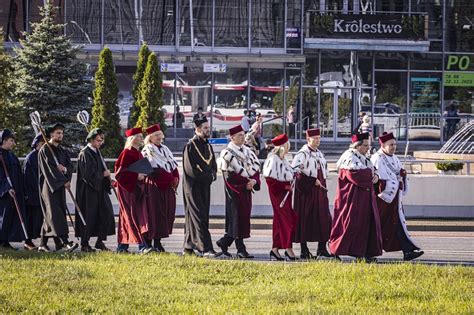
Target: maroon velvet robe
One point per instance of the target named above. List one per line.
(238, 204)
(161, 202)
(284, 219)
(356, 224)
(312, 208)
(133, 217)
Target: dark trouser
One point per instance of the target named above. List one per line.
(227, 240)
(406, 245)
(86, 237)
(58, 240)
(305, 249)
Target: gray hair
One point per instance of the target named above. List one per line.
(355, 145)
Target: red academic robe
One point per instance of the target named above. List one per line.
(133, 217)
(239, 204)
(284, 219)
(312, 208)
(161, 202)
(356, 224)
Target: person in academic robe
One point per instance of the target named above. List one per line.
(279, 176)
(311, 197)
(199, 168)
(34, 214)
(356, 223)
(93, 187)
(392, 185)
(241, 171)
(133, 215)
(55, 173)
(160, 187)
(10, 224)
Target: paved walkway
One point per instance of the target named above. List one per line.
(441, 247)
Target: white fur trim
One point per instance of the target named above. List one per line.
(278, 169)
(244, 163)
(352, 160)
(160, 157)
(309, 161)
(388, 169)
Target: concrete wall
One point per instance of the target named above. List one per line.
(430, 196)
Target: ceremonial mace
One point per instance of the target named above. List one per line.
(14, 196)
(36, 121)
(83, 118)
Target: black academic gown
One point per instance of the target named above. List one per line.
(34, 214)
(92, 195)
(10, 225)
(52, 191)
(197, 179)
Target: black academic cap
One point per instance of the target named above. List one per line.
(198, 122)
(141, 166)
(55, 127)
(93, 133)
(6, 134)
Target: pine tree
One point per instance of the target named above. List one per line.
(48, 77)
(105, 111)
(12, 115)
(150, 100)
(138, 78)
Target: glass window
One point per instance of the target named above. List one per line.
(184, 24)
(84, 21)
(265, 84)
(231, 26)
(268, 22)
(158, 22)
(390, 103)
(336, 69)
(458, 108)
(420, 61)
(202, 17)
(435, 16)
(293, 25)
(460, 26)
(120, 22)
(12, 19)
(391, 60)
(424, 111)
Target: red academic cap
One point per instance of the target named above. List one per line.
(133, 131)
(236, 129)
(359, 137)
(153, 129)
(313, 132)
(280, 140)
(385, 137)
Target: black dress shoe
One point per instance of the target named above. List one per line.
(71, 246)
(292, 258)
(101, 246)
(224, 249)
(371, 260)
(59, 246)
(44, 249)
(210, 254)
(188, 252)
(244, 255)
(307, 255)
(29, 246)
(273, 255)
(324, 253)
(412, 255)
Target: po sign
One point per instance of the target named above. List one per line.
(458, 62)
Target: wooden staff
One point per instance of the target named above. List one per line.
(17, 206)
(36, 120)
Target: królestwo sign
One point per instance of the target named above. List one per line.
(378, 26)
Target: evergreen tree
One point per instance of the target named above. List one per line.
(138, 78)
(105, 111)
(150, 99)
(12, 115)
(48, 77)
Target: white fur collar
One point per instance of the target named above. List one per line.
(277, 168)
(160, 157)
(240, 160)
(352, 160)
(309, 161)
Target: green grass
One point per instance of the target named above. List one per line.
(167, 283)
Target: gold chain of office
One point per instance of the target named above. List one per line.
(207, 161)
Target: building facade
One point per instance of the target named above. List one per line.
(401, 62)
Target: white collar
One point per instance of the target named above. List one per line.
(91, 147)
